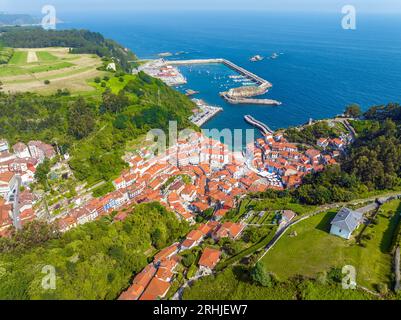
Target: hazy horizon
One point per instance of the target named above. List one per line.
(103, 6)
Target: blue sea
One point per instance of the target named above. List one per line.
(321, 67)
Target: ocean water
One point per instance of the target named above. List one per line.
(321, 67)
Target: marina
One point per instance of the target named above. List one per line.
(253, 86)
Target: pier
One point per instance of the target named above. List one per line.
(250, 100)
(206, 113)
(241, 95)
(258, 124)
(258, 80)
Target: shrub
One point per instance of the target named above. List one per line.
(261, 276)
(188, 260)
(382, 288)
(46, 82)
(191, 272)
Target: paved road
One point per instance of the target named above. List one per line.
(180, 291)
(16, 219)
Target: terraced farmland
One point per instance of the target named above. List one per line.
(28, 69)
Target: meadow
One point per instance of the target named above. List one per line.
(309, 249)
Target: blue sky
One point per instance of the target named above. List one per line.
(75, 6)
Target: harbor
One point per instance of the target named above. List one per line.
(250, 86)
(161, 70)
(242, 95)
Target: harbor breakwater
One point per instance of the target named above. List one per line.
(240, 95)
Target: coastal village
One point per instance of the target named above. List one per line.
(195, 175)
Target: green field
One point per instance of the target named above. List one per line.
(234, 284)
(314, 250)
(19, 58)
(5, 55)
(45, 56)
(65, 70)
(55, 66)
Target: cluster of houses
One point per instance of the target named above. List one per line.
(194, 175)
(199, 173)
(17, 169)
(284, 165)
(154, 281)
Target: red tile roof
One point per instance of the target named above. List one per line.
(166, 252)
(210, 257)
(157, 289)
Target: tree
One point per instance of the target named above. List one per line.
(158, 239)
(42, 172)
(260, 276)
(188, 259)
(81, 119)
(115, 103)
(353, 111)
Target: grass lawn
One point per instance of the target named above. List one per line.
(114, 84)
(45, 56)
(314, 250)
(7, 70)
(19, 57)
(50, 67)
(234, 284)
(278, 204)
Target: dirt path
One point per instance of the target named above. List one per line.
(32, 57)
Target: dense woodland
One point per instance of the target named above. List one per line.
(80, 41)
(94, 261)
(93, 130)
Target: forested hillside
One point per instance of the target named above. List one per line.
(95, 129)
(94, 261)
(80, 41)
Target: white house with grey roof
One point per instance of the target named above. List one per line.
(345, 223)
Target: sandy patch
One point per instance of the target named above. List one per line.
(32, 57)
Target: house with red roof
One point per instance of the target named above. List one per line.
(193, 239)
(228, 229)
(141, 281)
(166, 253)
(157, 289)
(5, 215)
(209, 259)
(8, 183)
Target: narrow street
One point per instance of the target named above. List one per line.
(16, 219)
